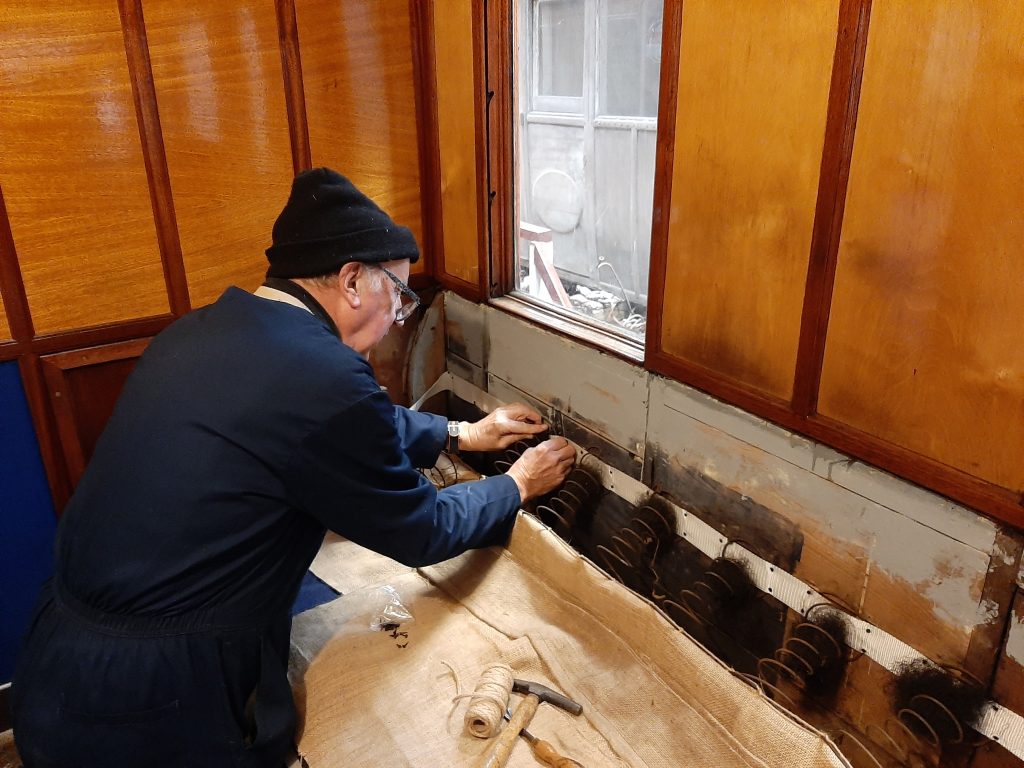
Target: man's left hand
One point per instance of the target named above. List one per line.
(500, 428)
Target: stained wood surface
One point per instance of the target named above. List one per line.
(83, 387)
(923, 345)
(5, 330)
(74, 179)
(750, 121)
(217, 73)
(357, 69)
(456, 116)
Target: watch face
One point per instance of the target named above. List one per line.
(453, 428)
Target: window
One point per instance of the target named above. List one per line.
(589, 74)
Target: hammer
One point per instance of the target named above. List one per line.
(535, 694)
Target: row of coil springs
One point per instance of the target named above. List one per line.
(811, 662)
(561, 509)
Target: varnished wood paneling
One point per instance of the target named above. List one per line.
(5, 330)
(357, 72)
(750, 121)
(83, 387)
(217, 70)
(456, 116)
(924, 340)
(74, 178)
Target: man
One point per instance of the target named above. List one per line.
(247, 428)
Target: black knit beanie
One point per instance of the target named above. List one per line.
(327, 223)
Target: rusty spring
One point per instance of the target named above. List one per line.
(635, 546)
(724, 583)
(814, 655)
(925, 725)
(559, 510)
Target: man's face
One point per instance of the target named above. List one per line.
(383, 300)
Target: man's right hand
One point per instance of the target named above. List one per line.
(543, 468)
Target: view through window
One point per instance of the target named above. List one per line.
(587, 128)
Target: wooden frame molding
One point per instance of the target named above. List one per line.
(56, 370)
(493, 22)
(424, 68)
(294, 95)
(144, 93)
(668, 100)
(12, 287)
(844, 98)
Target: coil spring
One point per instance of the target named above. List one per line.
(512, 454)
(560, 509)
(724, 583)
(811, 658)
(635, 546)
(921, 730)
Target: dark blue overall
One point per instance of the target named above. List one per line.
(246, 430)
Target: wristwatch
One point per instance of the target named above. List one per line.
(453, 436)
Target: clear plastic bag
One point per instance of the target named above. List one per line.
(388, 612)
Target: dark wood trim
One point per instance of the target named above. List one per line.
(720, 386)
(87, 337)
(100, 335)
(46, 429)
(10, 350)
(493, 31)
(837, 155)
(55, 368)
(294, 93)
(424, 72)
(12, 287)
(994, 500)
(464, 288)
(147, 112)
(422, 281)
(664, 163)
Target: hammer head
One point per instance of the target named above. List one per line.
(546, 695)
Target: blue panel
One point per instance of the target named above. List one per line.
(313, 592)
(27, 521)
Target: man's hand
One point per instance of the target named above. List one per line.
(500, 428)
(543, 468)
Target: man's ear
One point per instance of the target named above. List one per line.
(348, 278)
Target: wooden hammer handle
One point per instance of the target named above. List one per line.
(547, 755)
(506, 740)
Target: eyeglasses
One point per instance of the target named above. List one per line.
(410, 301)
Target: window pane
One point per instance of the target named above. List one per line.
(560, 47)
(586, 182)
(630, 57)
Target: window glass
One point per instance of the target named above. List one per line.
(559, 45)
(585, 152)
(630, 57)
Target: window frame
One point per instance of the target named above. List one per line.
(502, 21)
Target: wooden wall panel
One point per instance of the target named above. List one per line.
(752, 101)
(923, 345)
(5, 329)
(83, 387)
(456, 117)
(74, 177)
(217, 70)
(357, 71)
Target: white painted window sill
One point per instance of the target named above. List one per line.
(573, 326)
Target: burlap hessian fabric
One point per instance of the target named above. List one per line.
(650, 695)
